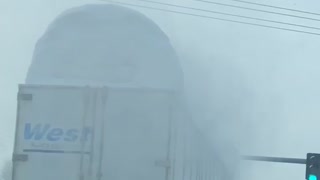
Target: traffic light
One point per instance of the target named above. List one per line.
(313, 166)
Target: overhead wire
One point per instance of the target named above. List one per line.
(229, 14)
(211, 17)
(277, 7)
(257, 10)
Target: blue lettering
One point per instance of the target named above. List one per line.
(55, 134)
(46, 132)
(35, 133)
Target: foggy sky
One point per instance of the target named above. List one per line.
(260, 84)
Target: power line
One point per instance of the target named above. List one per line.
(257, 10)
(229, 14)
(210, 17)
(277, 7)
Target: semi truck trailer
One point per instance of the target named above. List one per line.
(103, 100)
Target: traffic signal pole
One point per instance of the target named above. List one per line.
(275, 159)
(312, 163)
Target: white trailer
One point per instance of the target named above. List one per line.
(107, 133)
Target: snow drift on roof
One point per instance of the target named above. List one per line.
(105, 45)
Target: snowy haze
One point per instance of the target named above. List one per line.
(261, 84)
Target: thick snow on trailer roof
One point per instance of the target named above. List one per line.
(105, 45)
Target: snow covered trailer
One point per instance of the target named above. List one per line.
(103, 101)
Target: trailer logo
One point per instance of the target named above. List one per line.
(46, 132)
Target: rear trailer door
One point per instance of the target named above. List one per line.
(52, 133)
(136, 132)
